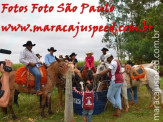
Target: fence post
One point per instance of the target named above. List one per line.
(69, 112)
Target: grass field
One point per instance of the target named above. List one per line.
(29, 111)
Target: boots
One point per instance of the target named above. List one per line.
(117, 113)
(85, 119)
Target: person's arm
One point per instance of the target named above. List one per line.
(102, 72)
(92, 62)
(78, 92)
(22, 58)
(5, 85)
(87, 63)
(47, 61)
(76, 63)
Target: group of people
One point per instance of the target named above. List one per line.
(32, 62)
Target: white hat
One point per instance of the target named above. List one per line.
(89, 53)
(107, 56)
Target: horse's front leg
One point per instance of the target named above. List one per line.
(10, 104)
(49, 103)
(4, 110)
(43, 105)
(60, 96)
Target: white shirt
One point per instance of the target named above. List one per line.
(113, 66)
(27, 56)
(102, 57)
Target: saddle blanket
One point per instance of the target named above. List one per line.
(22, 75)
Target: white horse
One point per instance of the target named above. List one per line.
(102, 66)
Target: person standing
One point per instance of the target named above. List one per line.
(87, 102)
(50, 58)
(104, 52)
(114, 90)
(134, 89)
(29, 58)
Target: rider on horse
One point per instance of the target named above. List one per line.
(73, 59)
(50, 58)
(104, 52)
(28, 58)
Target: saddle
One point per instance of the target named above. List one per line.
(26, 78)
(136, 74)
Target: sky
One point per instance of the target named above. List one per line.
(62, 41)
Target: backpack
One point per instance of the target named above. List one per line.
(88, 100)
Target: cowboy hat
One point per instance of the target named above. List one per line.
(104, 49)
(89, 53)
(38, 55)
(108, 55)
(28, 43)
(73, 54)
(52, 48)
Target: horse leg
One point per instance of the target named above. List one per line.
(60, 95)
(124, 95)
(152, 95)
(16, 93)
(4, 110)
(10, 105)
(49, 103)
(40, 100)
(43, 105)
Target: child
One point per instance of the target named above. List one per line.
(89, 60)
(87, 102)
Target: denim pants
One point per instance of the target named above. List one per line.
(88, 113)
(130, 95)
(114, 94)
(34, 70)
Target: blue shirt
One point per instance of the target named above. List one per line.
(49, 59)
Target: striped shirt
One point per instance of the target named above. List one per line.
(27, 56)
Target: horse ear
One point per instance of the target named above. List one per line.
(58, 61)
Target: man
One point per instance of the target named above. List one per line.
(50, 58)
(29, 58)
(102, 57)
(116, 83)
(5, 89)
(134, 89)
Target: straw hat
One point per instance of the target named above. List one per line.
(89, 53)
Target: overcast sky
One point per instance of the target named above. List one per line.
(62, 41)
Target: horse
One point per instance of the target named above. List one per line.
(55, 72)
(105, 84)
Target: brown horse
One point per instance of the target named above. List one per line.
(55, 72)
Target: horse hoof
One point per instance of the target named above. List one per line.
(14, 117)
(4, 110)
(50, 112)
(43, 116)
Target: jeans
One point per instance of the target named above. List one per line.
(114, 94)
(34, 70)
(135, 94)
(89, 114)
